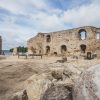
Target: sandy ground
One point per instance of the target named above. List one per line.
(14, 71)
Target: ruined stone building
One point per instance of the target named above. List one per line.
(77, 40)
(0, 45)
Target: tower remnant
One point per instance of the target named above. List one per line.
(0, 45)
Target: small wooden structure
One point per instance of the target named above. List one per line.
(26, 55)
(22, 54)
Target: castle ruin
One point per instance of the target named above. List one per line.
(73, 41)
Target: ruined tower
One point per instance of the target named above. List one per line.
(0, 45)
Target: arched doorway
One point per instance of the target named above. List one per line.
(63, 48)
(83, 48)
(82, 34)
(47, 49)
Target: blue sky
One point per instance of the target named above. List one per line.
(22, 19)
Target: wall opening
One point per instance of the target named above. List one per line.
(55, 53)
(82, 34)
(83, 48)
(97, 36)
(63, 48)
(47, 49)
(33, 49)
(48, 38)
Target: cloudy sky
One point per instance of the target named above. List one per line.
(22, 19)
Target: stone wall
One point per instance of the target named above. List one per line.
(77, 40)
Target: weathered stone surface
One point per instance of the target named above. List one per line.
(59, 92)
(88, 85)
(17, 96)
(57, 75)
(37, 85)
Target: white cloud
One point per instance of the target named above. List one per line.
(84, 15)
(22, 6)
(38, 3)
(43, 21)
(11, 5)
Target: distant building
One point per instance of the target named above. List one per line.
(78, 40)
(0, 45)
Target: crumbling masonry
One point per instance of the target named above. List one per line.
(73, 41)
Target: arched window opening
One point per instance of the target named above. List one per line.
(48, 38)
(83, 48)
(82, 34)
(97, 36)
(63, 48)
(47, 49)
(55, 53)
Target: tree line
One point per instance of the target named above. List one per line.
(20, 49)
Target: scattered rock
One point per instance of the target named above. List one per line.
(59, 92)
(64, 59)
(20, 95)
(17, 96)
(37, 85)
(57, 75)
(24, 96)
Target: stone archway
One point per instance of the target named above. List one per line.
(82, 34)
(63, 48)
(83, 48)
